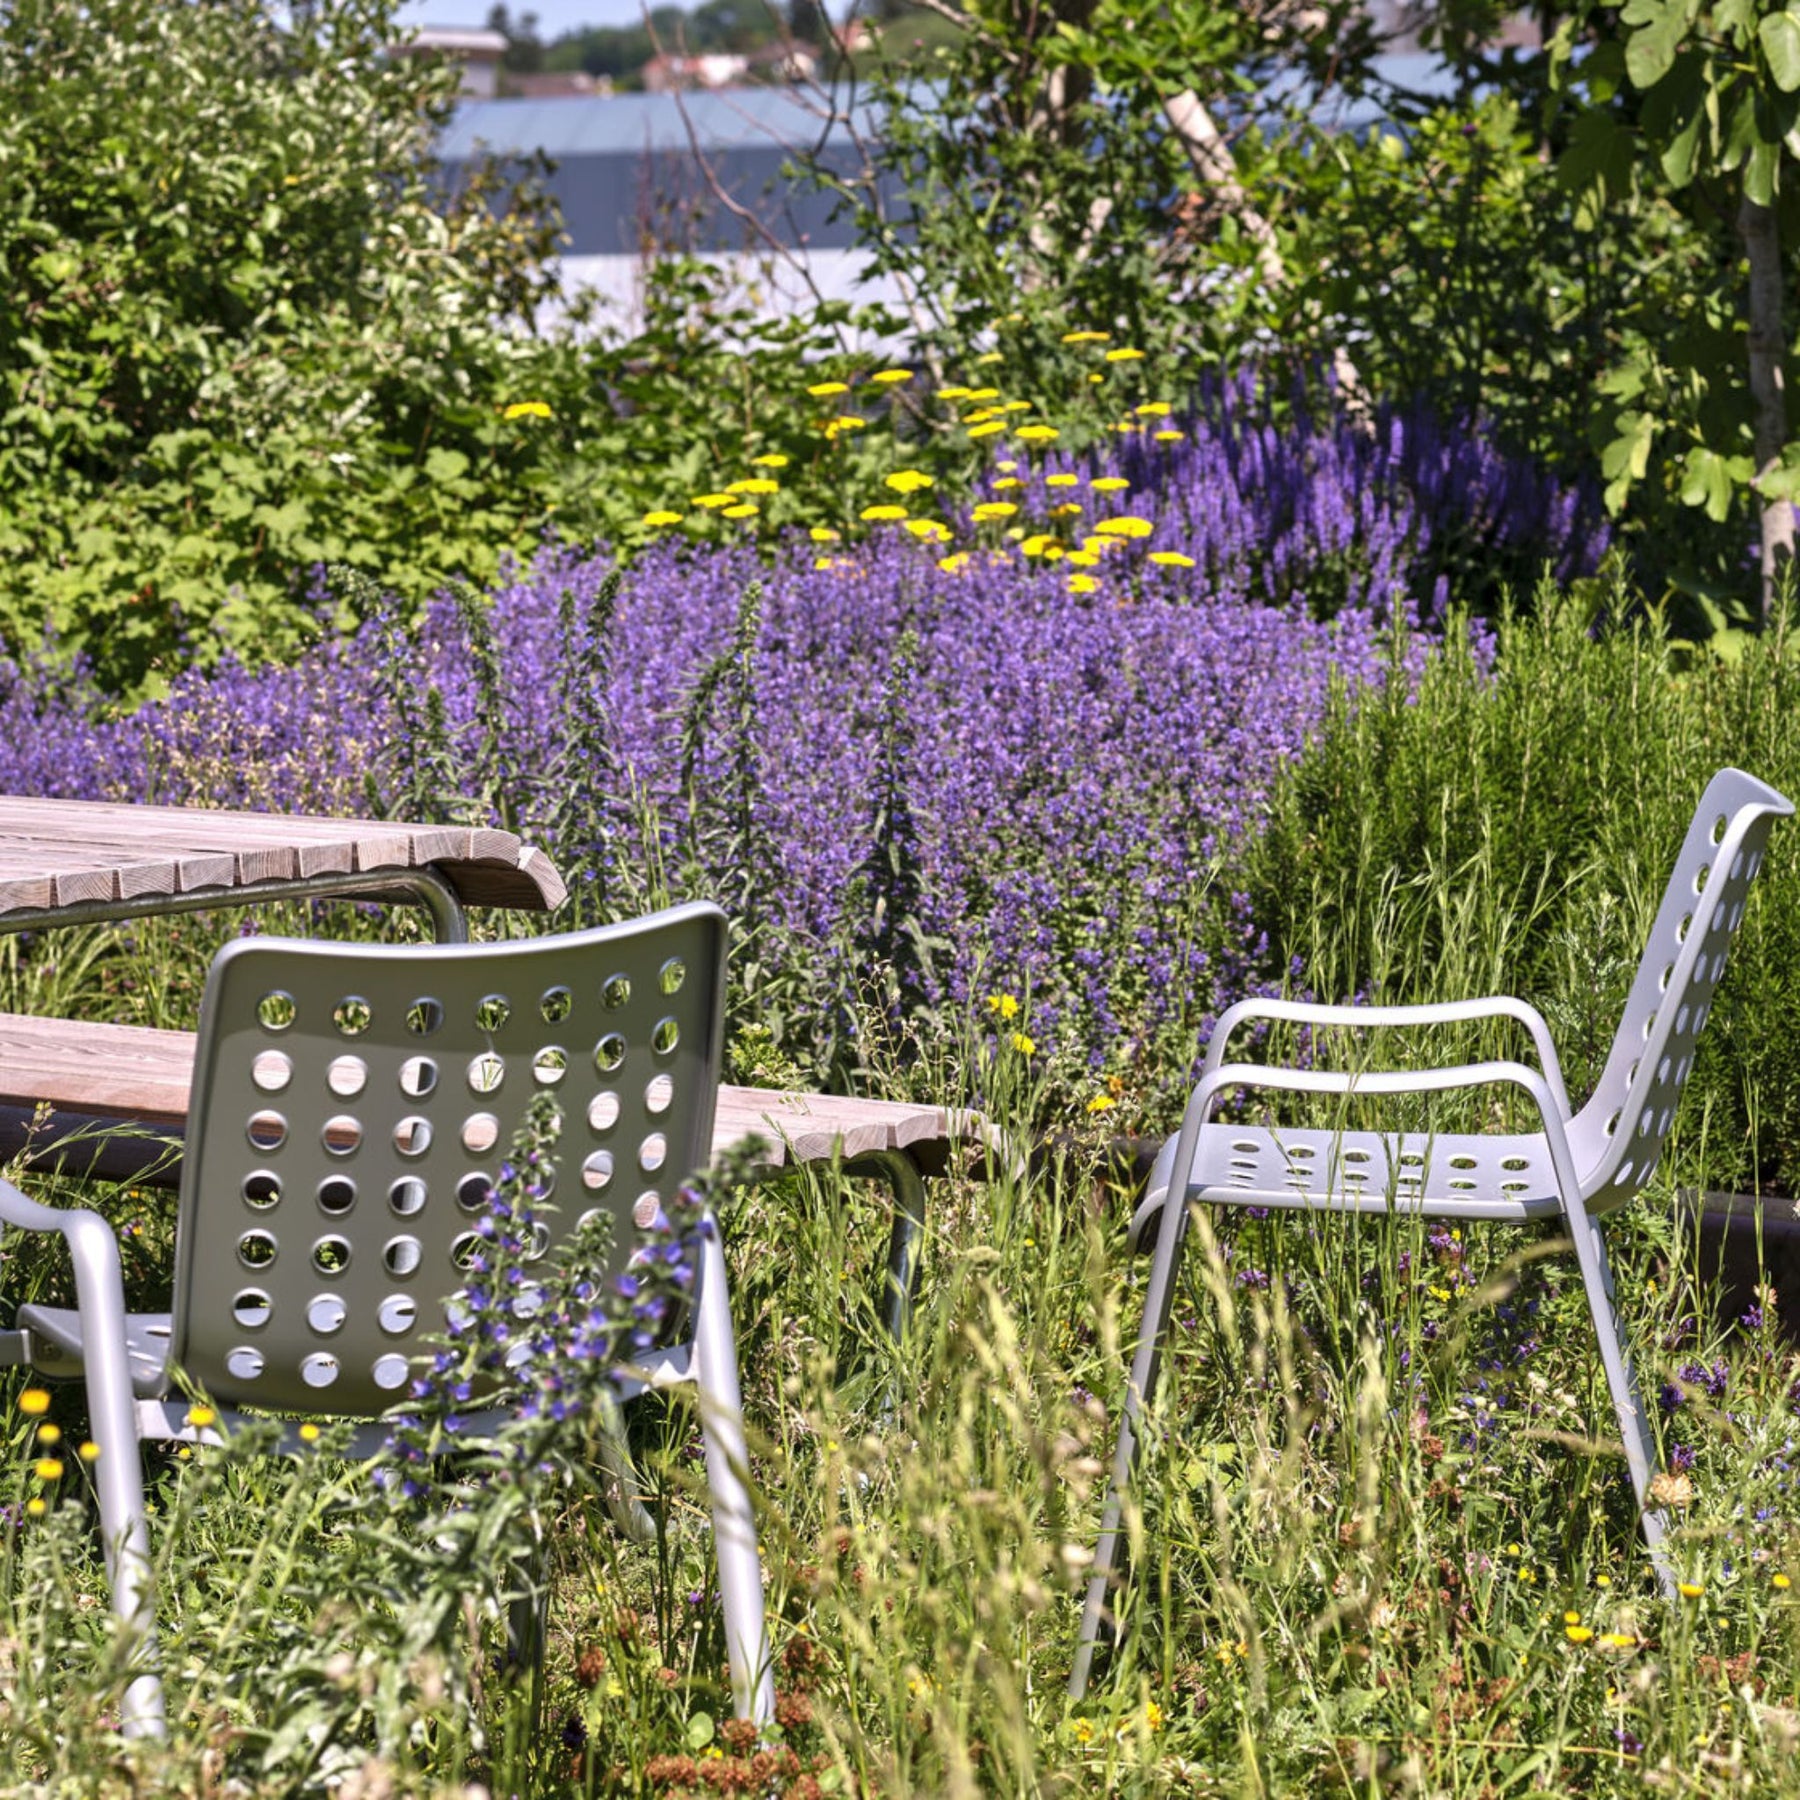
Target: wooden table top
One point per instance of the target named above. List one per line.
(63, 853)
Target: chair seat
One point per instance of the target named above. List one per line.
(56, 1346)
(1441, 1177)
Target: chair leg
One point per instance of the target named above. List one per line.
(119, 1471)
(1109, 1571)
(727, 1465)
(1628, 1404)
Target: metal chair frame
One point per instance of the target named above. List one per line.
(351, 1105)
(1578, 1167)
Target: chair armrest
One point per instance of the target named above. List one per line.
(25, 1214)
(1447, 1012)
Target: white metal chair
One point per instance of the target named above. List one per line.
(1580, 1166)
(351, 1104)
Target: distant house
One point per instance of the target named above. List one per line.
(665, 74)
(477, 49)
(698, 173)
(556, 84)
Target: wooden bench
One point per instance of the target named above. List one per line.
(112, 1101)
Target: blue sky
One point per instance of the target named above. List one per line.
(555, 17)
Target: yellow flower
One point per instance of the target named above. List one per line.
(48, 1468)
(48, 1433)
(823, 534)
(1060, 480)
(884, 511)
(1618, 1640)
(1577, 1634)
(993, 356)
(34, 1403)
(1170, 437)
(1109, 484)
(1153, 1714)
(1069, 509)
(35, 1508)
(1101, 1103)
(953, 393)
(1014, 406)
(847, 422)
(1124, 526)
(820, 390)
(1124, 356)
(1083, 584)
(928, 529)
(1082, 1731)
(746, 510)
(994, 509)
(1024, 1045)
(1692, 1590)
(712, 500)
(1039, 434)
(1086, 337)
(979, 416)
(1095, 380)
(1084, 559)
(888, 376)
(774, 460)
(1171, 559)
(909, 481)
(821, 562)
(1153, 409)
(1602, 1581)
(309, 1433)
(526, 409)
(984, 394)
(987, 430)
(955, 563)
(1006, 1005)
(662, 517)
(200, 1417)
(1006, 467)
(89, 1452)
(1036, 544)
(1780, 1582)
(755, 484)
(1009, 481)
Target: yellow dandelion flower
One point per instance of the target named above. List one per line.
(1061, 480)
(1070, 509)
(48, 1433)
(526, 409)
(1602, 1581)
(984, 394)
(662, 517)
(1173, 559)
(1109, 484)
(35, 1508)
(1015, 406)
(994, 509)
(1170, 437)
(1101, 1103)
(1024, 1045)
(909, 481)
(1086, 337)
(1082, 1731)
(1083, 584)
(774, 460)
(821, 562)
(928, 529)
(710, 500)
(755, 484)
(823, 534)
(1123, 355)
(1008, 481)
(1153, 409)
(953, 393)
(889, 377)
(979, 416)
(309, 1433)
(993, 356)
(1125, 526)
(1618, 1640)
(848, 422)
(1691, 1590)
(746, 509)
(1578, 1634)
(1095, 380)
(1039, 434)
(1780, 1582)
(823, 390)
(955, 563)
(89, 1452)
(34, 1403)
(1037, 544)
(1007, 467)
(1084, 559)
(876, 513)
(201, 1416)
(48, 1468)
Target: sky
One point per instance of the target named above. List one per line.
(555, 17)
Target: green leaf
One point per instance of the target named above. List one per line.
(1600, 154)
(1650, 53)
(1712, 480)
(699, 1731)
(1762, 173)
(1779, 35)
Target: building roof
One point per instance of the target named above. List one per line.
(631, 124)
(456, 40)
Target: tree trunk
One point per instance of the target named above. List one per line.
(1767, 347)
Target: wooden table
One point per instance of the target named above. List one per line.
(70, 862)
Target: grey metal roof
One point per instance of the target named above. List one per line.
(631, 124)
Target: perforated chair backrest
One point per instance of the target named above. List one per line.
(1617, 1138)
(352, 1104)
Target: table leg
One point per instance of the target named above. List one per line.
(902, 1174)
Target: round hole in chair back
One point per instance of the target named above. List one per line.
(397, 1314)
(251, 1308)
(424, 1016)
(556, 1005)
(244, 1363)
(418, 1076)
(402, 1255)
(603, 1111)
(337, 1194)
(407, 1196)
(267, 1130)
(615, 992)
(474, 1192)
(352, 1015)
(262, 1188)
(665, 1037)
(256, 1249)
(672, 974)
(389, 1371)
(346, 1076)
(319, 1370)
(331, 1254)
(271, 1071)
(276, 1011)
(659, 1094)
(326, 1313)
